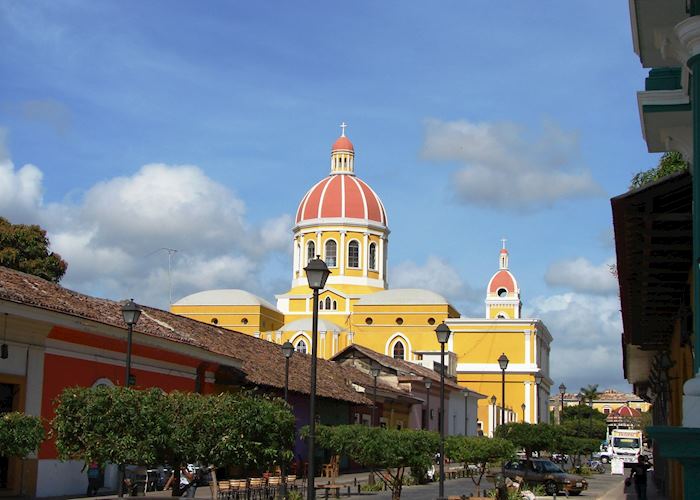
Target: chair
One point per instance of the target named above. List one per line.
(256, 487)
(273, 486)
(224, 490)
(238, 488)
(331, 468)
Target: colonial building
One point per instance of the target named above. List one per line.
(343, 220)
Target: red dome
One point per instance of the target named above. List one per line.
(626, 412)
(341, 196)
(502, 279)
(343, 143)
(503, 250)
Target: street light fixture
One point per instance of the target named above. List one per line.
(562, 391)
(287, 350)
(522, 407)
(428, 383)
(503, 363)
(130, 313)
(443, 335)
(375, 370)
(538, 381)
(316, 274)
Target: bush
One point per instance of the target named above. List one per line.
(20, 434)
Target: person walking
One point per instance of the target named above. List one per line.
(638, 473)
(93, 475)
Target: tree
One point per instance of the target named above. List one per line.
(669, 163)
(530, 437)
(377, 448)
(20, 434)
(480, 453)
(26, 248)
(127, 426)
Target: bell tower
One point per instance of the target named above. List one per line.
(502, 292)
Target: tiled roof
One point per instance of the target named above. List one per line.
(606, 396)
(400, 366)
(262, 360)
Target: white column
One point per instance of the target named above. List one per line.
(318, 243)
(296, 258)
(528, 404)
(341, 253)
(380, 260)
(365, 254)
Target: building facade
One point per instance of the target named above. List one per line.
(342, 220)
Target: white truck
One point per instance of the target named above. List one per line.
(626, 444)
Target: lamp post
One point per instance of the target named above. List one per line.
(562, 391)
(316, 274)
(443, 335)
(428, 383)
(130, 313)
(466, 412)
(538, 381)
(493, 403)
(375, 369)
(522, 407)
(503, 363)
(287, 350)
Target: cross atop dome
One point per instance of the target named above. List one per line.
(504, 255)
(343, 154)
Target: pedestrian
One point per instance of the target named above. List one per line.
(93, 475)
(639, 474)
(188, 481)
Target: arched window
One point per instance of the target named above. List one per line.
(373, 256)
(320, 304)
(399, 350)
(335, 305)
(328, 303)
(354, 254)
(502, 292)
(331, 253)
(310, 251)
(301, 346)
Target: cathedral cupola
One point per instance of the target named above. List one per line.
(502, 292)
(343, 154)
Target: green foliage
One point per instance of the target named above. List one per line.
(294, 495)
(372, 487)
(26, 248)
(584, 428)
(480, 452)
(383, 449)
(20, 434)
(121, 425)
(669, 163)
(530, 437)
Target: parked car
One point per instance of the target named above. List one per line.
(547, 473)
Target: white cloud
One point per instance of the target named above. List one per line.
(503, 168)
(586, 330)
(437, 275)
(581, 275)
(114, 237)
(20, 189)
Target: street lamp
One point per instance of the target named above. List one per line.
(287, 350)
(443, 335)
(538, 381)
(130, 313)
(316, 274)
(562, 391)
(522, 407)
(428, 383)
(503, 363)
(493, 403)
(375, 370)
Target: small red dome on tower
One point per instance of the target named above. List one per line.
(502, 279)
(344, 144)
(503, 250)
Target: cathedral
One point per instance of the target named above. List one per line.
(343, 220)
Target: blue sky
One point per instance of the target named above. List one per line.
(129, 127)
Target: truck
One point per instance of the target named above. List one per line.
(626, 444)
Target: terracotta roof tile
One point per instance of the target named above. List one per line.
(261, 359)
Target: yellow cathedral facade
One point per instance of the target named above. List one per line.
(342, 220)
